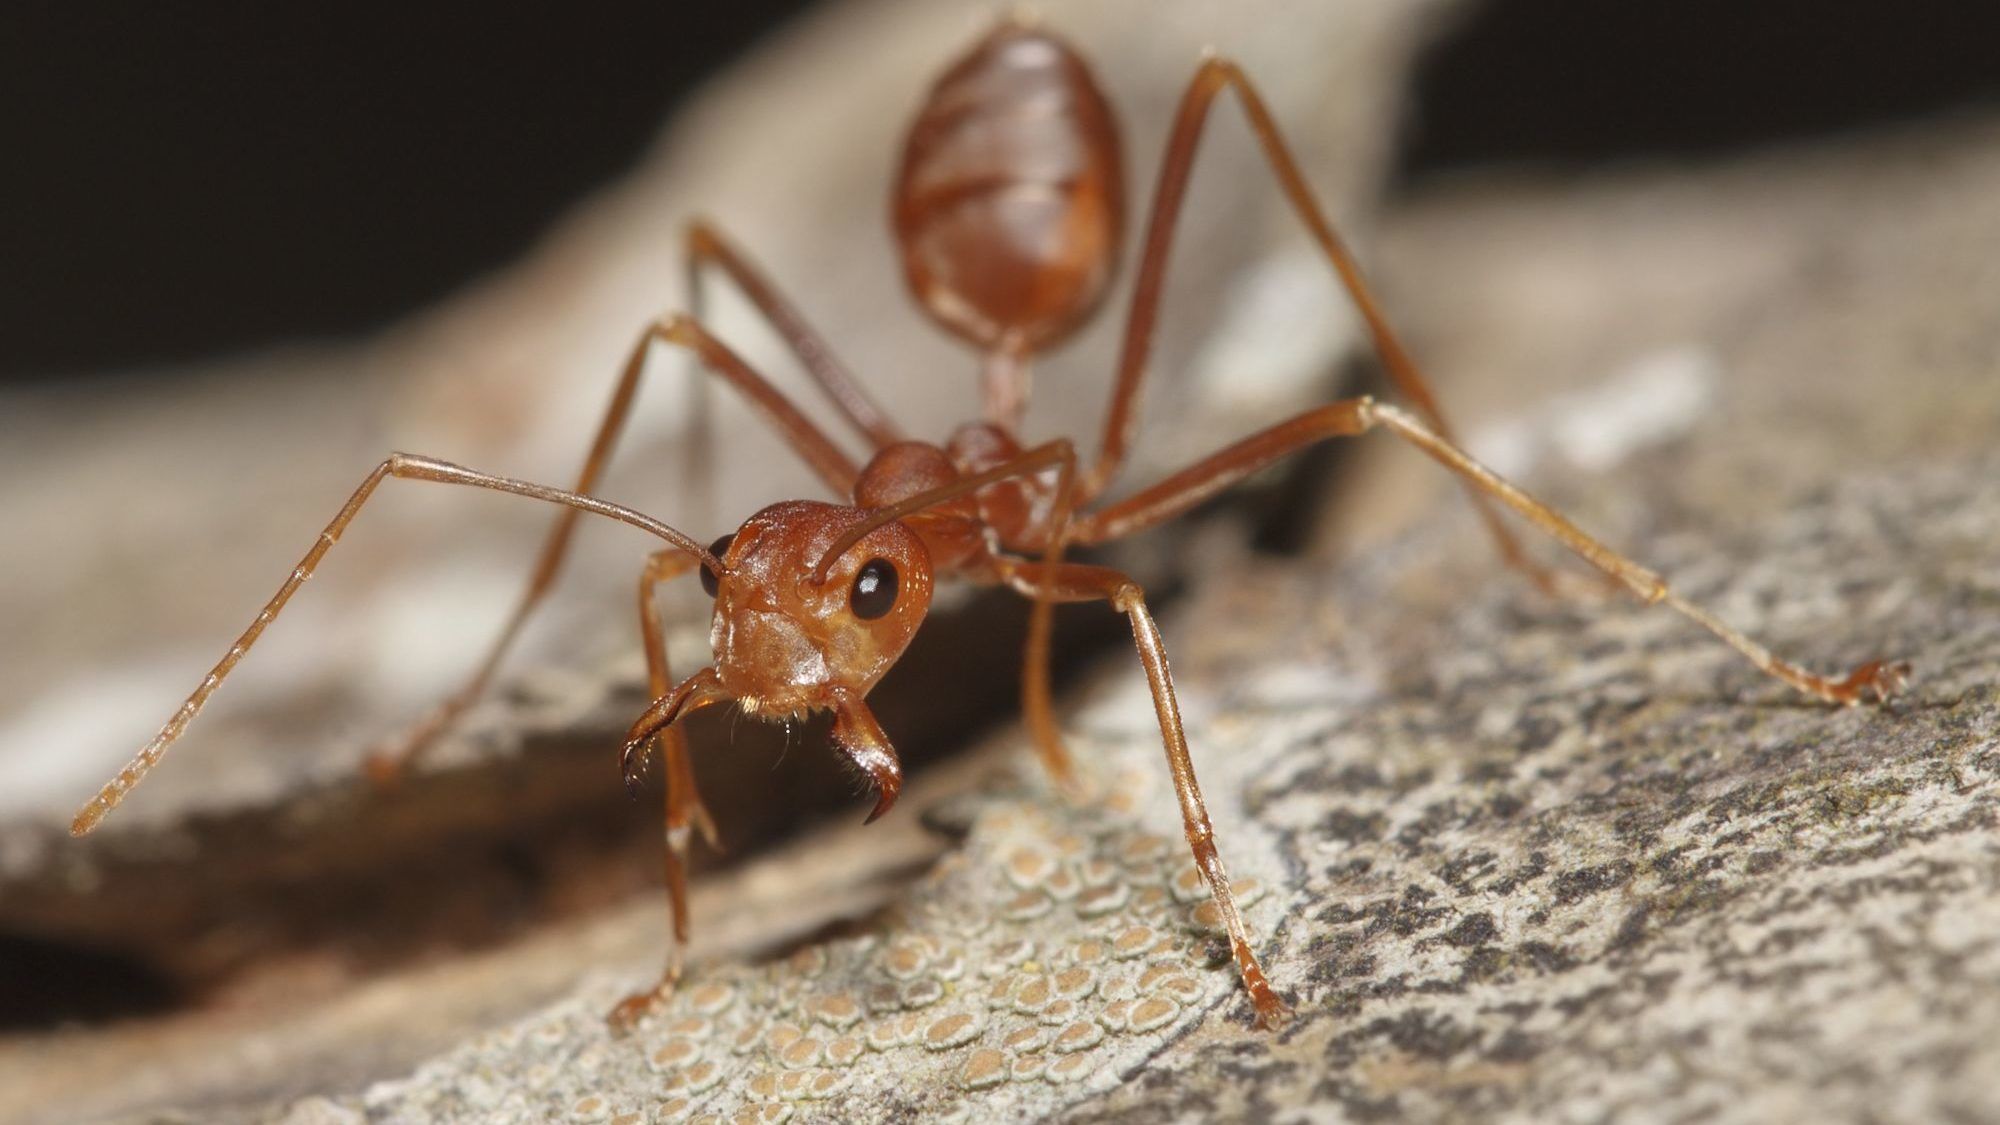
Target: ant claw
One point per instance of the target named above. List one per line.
(885, 798)
(705, 824)
(632, 767)
(1272, 1013)
(1890, 680)
(633, 1010)
(1877, 681)
(1080, 789)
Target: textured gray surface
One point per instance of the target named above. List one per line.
(1528, 860)
(218, 483)
(1520, 859)
(147, 525)
(1539, 862)
(308, 915)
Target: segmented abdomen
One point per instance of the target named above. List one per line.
(1009, 205)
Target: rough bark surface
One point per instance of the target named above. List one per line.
(273, 927)
(1542, 862)
(146, 525)
(1512, 858)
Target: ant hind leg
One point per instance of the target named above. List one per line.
(1875, 681)
(1214, 76)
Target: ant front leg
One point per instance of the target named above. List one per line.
(684, 804)
(1875, 680)
(685, 810)
(826, 459)
(1213, 77)
(1077, 582)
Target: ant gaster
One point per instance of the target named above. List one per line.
(1009, 212)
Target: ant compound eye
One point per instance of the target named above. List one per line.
(719, 548)
(874, 589)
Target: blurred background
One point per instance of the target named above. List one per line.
(191, 184)
(187, 185)
(248, 250)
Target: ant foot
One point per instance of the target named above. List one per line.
(703, 823)
(632, 765)
(1272, 1012)
(389, 763)
(385, 769)
(1877, 681)
(634, 1009)
(1079, 789)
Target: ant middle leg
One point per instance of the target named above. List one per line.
(1078, 582)
(826, 459)
(1876, 680)
(1214, 76)
(706, 247)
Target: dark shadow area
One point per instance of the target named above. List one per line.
(52, 983)
(369, 879)
(1573, 82)
(185, 181)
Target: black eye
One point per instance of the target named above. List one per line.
(718, 548)
(874, 589)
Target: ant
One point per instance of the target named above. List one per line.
(1008, 212)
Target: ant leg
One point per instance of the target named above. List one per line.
(827, 460)
(707, 247)
(1213, 77)
(684, 805)
(1184, 490)
(1076, 582)
(1350, 417)
(1037, 695)
(403, 465)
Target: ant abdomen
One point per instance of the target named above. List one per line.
(1009, 202)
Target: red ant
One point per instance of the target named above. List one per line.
(1008, 211)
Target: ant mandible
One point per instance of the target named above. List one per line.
(1008, 211)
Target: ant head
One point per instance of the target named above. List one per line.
(788, 640)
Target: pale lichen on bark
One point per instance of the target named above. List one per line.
(1522, 860)
(1516, 859)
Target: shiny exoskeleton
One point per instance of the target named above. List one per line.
(1008, 211)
